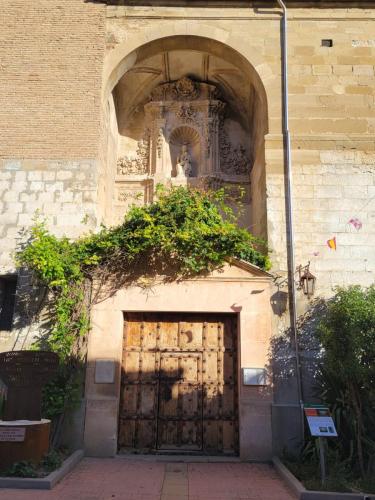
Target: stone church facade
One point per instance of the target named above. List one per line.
(100, 101)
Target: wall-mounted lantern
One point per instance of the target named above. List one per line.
(306, 280)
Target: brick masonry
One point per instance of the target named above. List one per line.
(51, 55)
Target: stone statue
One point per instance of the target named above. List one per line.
(183, 166)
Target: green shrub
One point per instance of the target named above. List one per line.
(21, 469)
(52, 461)
(347, 335)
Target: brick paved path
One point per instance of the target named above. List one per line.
(124, 479)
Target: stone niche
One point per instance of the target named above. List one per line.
(185, 139)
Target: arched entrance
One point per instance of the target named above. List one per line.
(189, 98)
(183, 110)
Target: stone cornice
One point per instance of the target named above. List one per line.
(242, 3)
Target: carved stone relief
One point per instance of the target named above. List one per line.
(235, 191)
(187, 113)
(184, 166)
(187, 105)
(139, 164)
(184, 89)
(185, 140)
(126, 196)
(233, 160)
(160, 142)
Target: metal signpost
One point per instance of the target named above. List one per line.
(321, 425)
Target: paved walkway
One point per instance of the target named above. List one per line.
(124, 479)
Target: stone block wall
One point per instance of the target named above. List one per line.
(332, 120)
(62, 192)
(333, 198)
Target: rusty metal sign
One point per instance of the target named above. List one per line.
(25, 373)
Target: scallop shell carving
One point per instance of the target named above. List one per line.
(184, 135)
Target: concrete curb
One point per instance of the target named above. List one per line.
(302, 494)
(297, 488)
(43, 483)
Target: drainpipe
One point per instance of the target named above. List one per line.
(289, 207)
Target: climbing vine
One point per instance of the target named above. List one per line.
(186, 232)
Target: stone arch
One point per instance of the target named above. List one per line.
(216, 41)
(128, 56)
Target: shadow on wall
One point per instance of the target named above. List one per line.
(35, 307)
(286, 409)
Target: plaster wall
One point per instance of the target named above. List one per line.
(232, 291)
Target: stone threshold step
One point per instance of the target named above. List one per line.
(178, 458)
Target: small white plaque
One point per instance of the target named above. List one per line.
(254, 376)
(104, 371)
(12, 434)
(363, 43)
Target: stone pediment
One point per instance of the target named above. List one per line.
(239, 270)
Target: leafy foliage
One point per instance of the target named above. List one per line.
(341, 333)
(50, 462)
(347, 334)
(21, 469)
(184, 233)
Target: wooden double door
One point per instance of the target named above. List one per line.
(179, 383)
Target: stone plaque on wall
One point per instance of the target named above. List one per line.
(254, 376)
(104, 371)
(131, 193)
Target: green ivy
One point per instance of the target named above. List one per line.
(185, 232)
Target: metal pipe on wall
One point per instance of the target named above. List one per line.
(289, 207)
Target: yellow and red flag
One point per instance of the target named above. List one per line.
(332, 243)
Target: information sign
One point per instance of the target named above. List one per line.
(12, 434)
(320, 422)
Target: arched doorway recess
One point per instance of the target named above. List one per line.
(185, 110)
